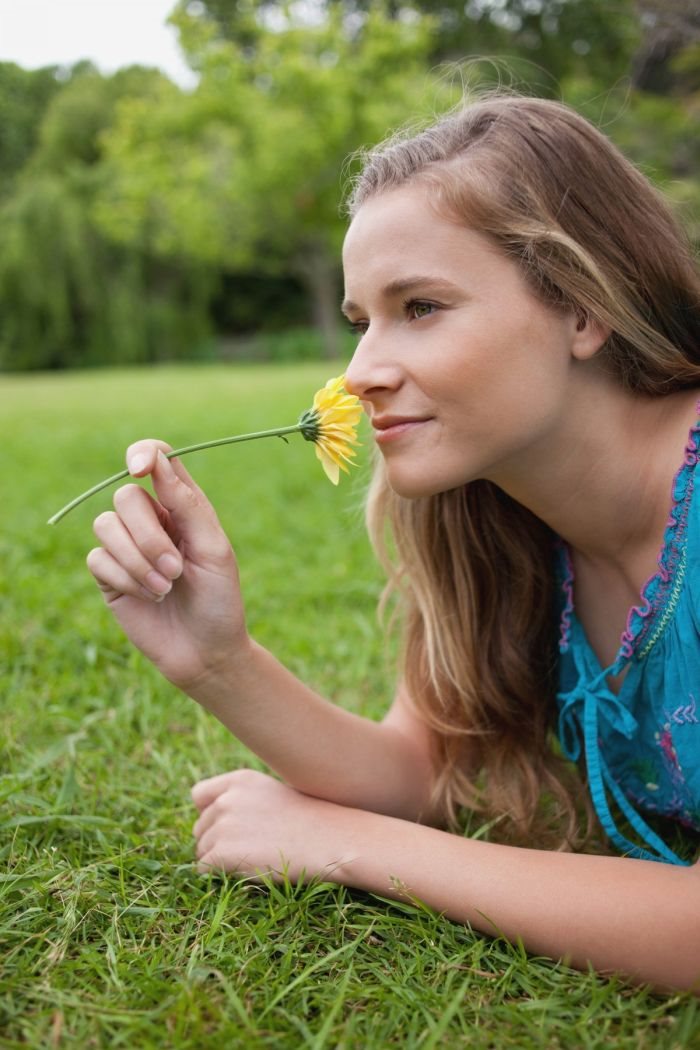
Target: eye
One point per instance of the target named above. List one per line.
(358, 328)
(417, 309)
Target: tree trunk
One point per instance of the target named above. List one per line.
(319, 271)
(669, 26)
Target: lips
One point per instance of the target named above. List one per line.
(390, 428)
(387, 422)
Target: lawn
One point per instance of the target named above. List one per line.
(108, 936)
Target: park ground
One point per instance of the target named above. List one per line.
(108, 936)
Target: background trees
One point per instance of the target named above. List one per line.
(143, 222)
(69, 293)
(260, 147)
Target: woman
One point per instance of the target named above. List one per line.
(529, 357)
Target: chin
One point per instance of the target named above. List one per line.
(415, 486)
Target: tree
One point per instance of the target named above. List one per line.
(670, 27)
(246, 171)
(24, 97)
(68, 295)
(544, 40)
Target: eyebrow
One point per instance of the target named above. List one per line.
(402, 286)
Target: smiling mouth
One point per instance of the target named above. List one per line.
(390, 427)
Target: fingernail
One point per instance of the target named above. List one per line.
(138, 463)
(157, 583)
(165, 465)
(151, 596)
(169, 566)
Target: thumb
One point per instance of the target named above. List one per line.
(190, 511)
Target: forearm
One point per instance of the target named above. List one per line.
(637, 918)
(315, 746)
(192, 627)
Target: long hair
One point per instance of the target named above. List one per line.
(474, 570)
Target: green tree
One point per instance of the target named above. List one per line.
(246, 171)
(545, 40)
(24, 97)
(68, 295)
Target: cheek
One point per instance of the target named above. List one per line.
(517, 378)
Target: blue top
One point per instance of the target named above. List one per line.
(642, 746)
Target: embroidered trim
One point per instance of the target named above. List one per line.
(659, 596)
(567, 586)
(668, 611)
(662, 590)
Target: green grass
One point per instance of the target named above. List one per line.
(108, 937)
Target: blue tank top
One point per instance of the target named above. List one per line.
(642, 746)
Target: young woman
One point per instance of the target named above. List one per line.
(529, 357)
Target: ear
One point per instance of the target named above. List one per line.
(589, 335)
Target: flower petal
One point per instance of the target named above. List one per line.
(330, 465)
(331, 425)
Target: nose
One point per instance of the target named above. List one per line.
(373, 370)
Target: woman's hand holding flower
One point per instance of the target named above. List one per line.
(167, 571)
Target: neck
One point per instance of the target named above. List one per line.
(602, 477)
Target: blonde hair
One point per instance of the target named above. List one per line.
(473, 568)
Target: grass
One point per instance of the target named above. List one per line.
(108, 937)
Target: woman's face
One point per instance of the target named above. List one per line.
(463, 372)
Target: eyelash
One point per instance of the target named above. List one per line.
(411, 304)
(360, 327)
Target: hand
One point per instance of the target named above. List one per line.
(167, 570)
(251, 824)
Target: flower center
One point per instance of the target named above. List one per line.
(310, 424)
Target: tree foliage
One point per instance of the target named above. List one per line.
(69, 295)
(24, 97)
(137, 215)
(260, 146)
(545, 40)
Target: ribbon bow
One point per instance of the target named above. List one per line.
(582, 709)
(596, 705)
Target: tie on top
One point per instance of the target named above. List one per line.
(642, 746)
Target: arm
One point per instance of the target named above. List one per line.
(321, 749)
(637, 918)
(633, 917)
(189, 621)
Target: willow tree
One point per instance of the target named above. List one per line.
(69, 294)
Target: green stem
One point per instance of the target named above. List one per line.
(280, 432)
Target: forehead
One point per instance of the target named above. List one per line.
(401, 231)
(391, 217)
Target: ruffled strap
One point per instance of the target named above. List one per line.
(582, 710)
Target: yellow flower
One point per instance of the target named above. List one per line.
(331, 425)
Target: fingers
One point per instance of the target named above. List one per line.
(204, 792)
(143, 567)
(232, 808)
(216, 798)
(189, 512)
(148, 457)
(141, 456)
(209, 863)
(189, 509)
(212, 863)
(211, 831)
(114, 581)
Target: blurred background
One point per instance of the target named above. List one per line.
(154, 213)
